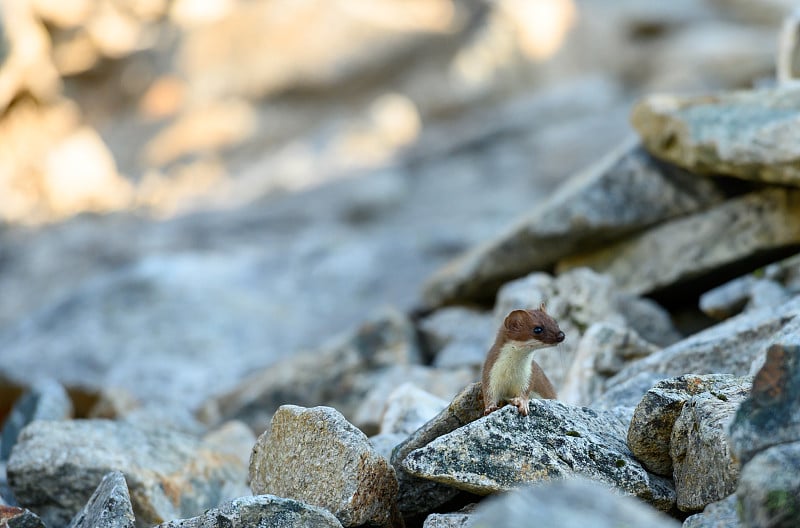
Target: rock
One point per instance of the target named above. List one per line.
(651, 430)
(747, 134)
(316, 456)
(704, 470)
(460, 519)
(376, 387)
(743, 294)
(46, 400)
(326, 376)
(788, 63)
(698, 245)
(568, 503)
(622, 194)
(577, 300)
(769, 487)
(418, 495)
(721, 514)
(408, 408)
(770, 416)
(384, 443)
(56, 466)
(504, 450)
(730, 346)
(12, 517)
(627, 393)
(603, 351)
(768, 13)
(108, 507)
(457, 336)
(232, 438)
(258, 511)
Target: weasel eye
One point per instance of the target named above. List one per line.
(538, 330)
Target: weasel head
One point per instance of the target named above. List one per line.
(532, 328)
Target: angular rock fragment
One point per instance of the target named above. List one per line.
(570, 503)
(743, 294)
(721, 514)
(747, 134)
(771, 415)
(449, 520)
(46, 400)
(769, 487)
(697, 245)
(505, 449)
(108, 507)
(260, 511)
(651, 430)
(704, 470)
(13, 517)
(419, 495)
(316, 456)
(56, 467)
(622, 194)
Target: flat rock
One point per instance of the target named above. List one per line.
(13, 517)
(727, 347)
(704, 469)
(419, 495)
(748, 134)
(56, 467)
(325, 376)
(108, 507)
(651, 430)
(769, 487)
(721, 514)
(46, 400)
(771, 415)
(260, 511)
(699, 244)
(316, 456)
(456, 336)
(578, 299)
(505, 449)
(568, 503)
(449, 520)
(624, 193)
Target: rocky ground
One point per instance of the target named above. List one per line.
(249, 277)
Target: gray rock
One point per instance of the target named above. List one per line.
(743, 294)
(721, 514)
(650, 432)
(619, 195)
(376, 387)
(260, 511)
(568, 503)
(108, 507)
(627, 393)
(729, 347)
(326, 376)
(384, 443)
(13, 517)
(421, 495)
(704, 470)
(316, 456)
(46, 400)
(604, 350)
(576, 300)
(56, 466)
(505, 449)
(408, 408)
(769, 487)
(788, 63)
(747, 134)
(771, 415)
(232, 438)
(456, 336)
(699, 244)
(449, 520)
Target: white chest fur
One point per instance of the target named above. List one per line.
(511, 371)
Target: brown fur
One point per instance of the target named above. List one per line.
(516, 339)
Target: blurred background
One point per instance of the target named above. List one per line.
(192, 189)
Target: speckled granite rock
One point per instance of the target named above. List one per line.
(769, 487)
(721, 514)
(108, 507)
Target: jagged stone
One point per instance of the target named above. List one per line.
(108, 507)
(721, 514)
(769, 487)
(505, 449)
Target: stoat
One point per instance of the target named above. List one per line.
(510, 375)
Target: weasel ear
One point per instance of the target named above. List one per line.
(516, 320)
(542, 307)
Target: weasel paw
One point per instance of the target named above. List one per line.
(489, 410)
(522, 405)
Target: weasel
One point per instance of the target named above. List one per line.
(510, 375)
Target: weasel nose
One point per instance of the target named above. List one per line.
(560, 336)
